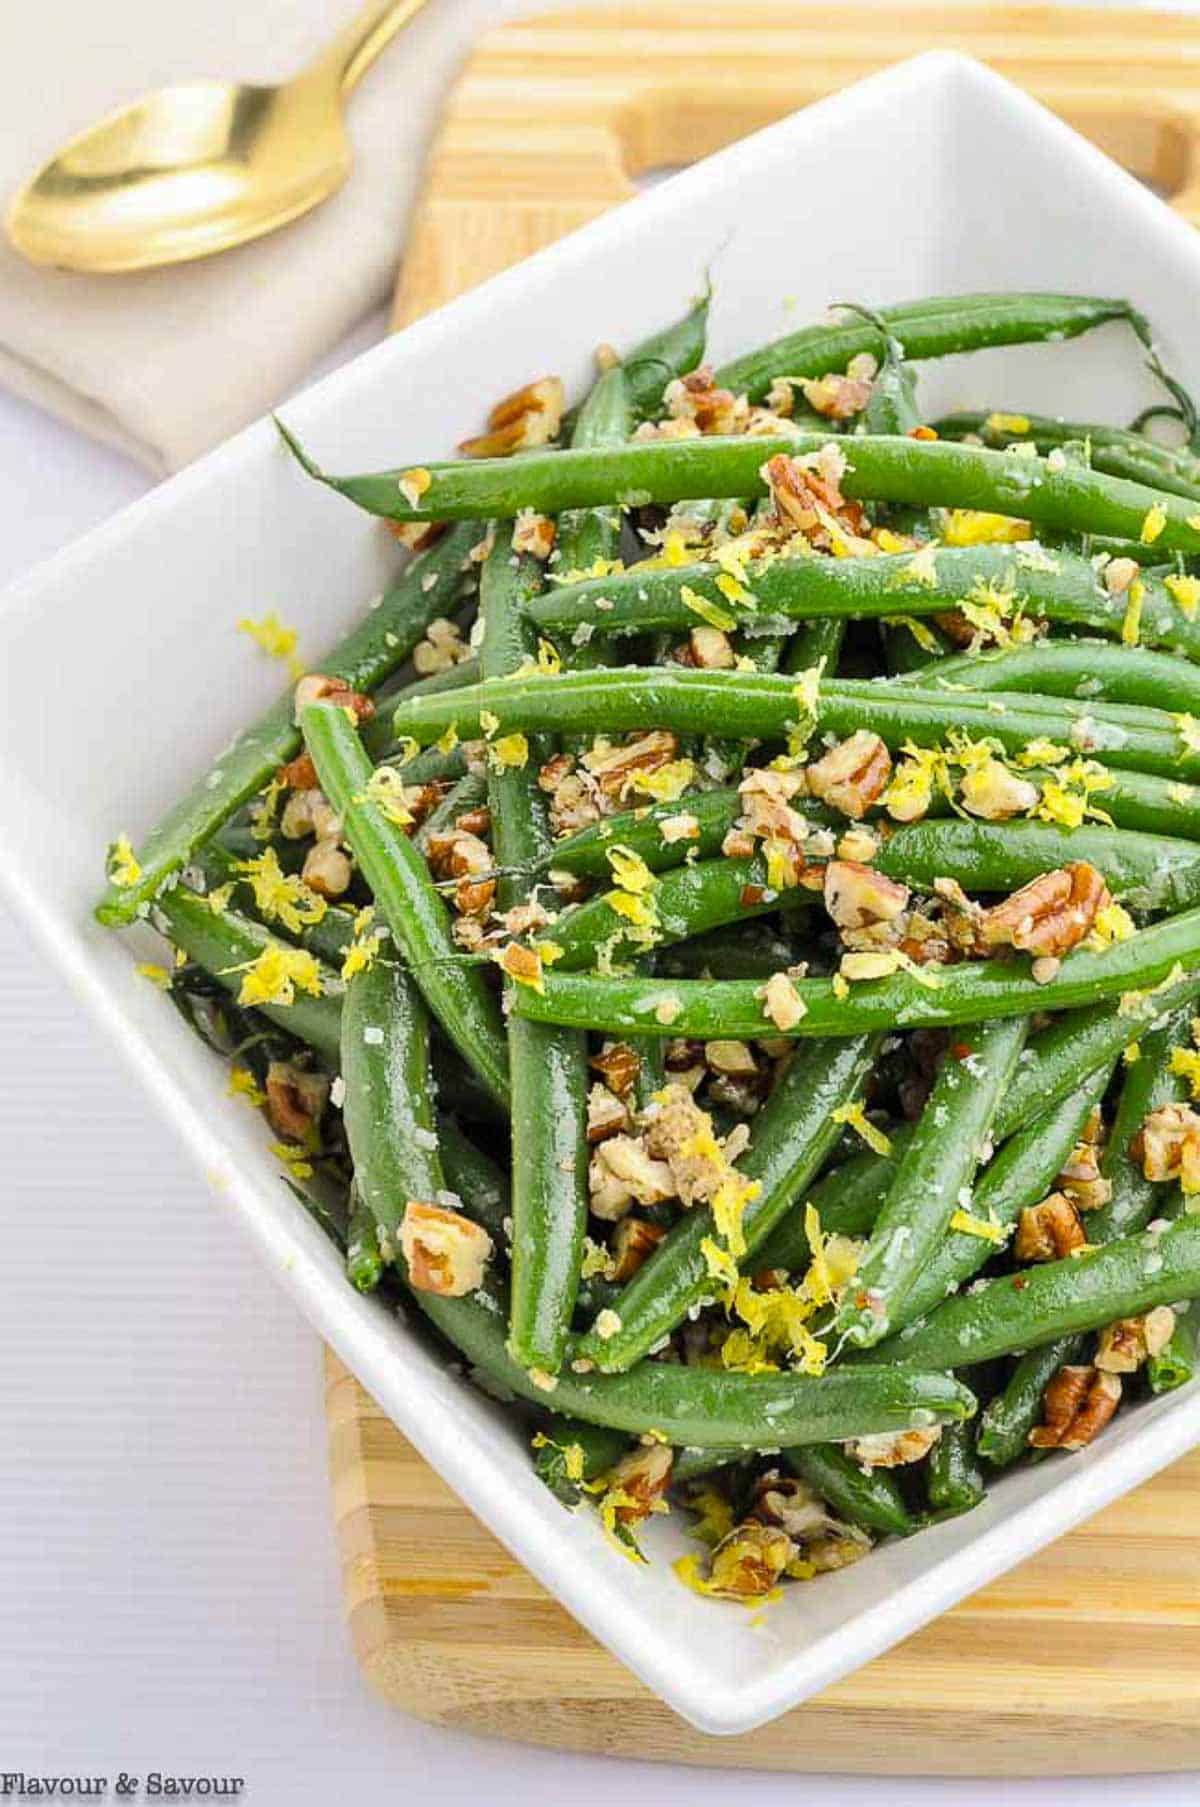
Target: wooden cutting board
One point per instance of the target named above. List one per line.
(1087, 1658)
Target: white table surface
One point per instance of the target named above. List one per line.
(168, 1585)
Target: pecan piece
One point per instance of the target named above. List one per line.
(749, 1561)
(642, 1476)
(1168, 1146)
(446, 1253)
(1125, 1345)
(606, 1115)
(317, 688)
(853, 775)
(1049, 1231)
(1076, 1405)
(528, 417)
(296, 1100)
(622, 1173)
(327, 870)
(617, 769)
(1050, 915)
(618, 1065)
(634, 1241)
(857, 897)
(836, 397)
(892, 1449)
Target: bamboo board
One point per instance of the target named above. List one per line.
(1087, 1658)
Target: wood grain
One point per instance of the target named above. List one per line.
(1085, 1659)
(554, 118)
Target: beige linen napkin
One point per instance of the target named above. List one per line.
(166, 363)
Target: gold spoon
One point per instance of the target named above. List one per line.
(193, 169)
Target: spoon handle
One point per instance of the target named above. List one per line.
(356, 46)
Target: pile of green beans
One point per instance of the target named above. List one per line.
(572, 1038)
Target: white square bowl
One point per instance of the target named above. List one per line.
(121, 675)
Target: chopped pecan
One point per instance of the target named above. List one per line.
(442, 647)
(1051, 915)
(299, 774)
(618, 1064)
(317, 688)
(309, 812)
(1082, 1180)
(1125, 1345)
(1076, 1405)
(622, 1173)
(730, 1057)
(296, 1100)
(893, 1449)
(1049, 1231)
(606, 1115)
(327, 870)
(710, 649)
(617, 768)
(1119, 574)
(533, 533)
(642, 1476)
(446, 1253)
(750, 1560)
(528, 417)
(782, 1003)
(836, 397)
(455, 854)
(801, 488)
(853, 775)
(694, 397)
(1168, 1146)
(824, 1541)
(856, 897)
(681, 1134)
(634, 1241)
(417, 536)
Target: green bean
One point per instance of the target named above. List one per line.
(605, 418)
(1082, 1042)
(687, 901)
(872, 1500)
(932, 328)
(377, 736)
(790, 1138)
(973, 992)
(1021, 1174)
(548, 1065)
(404, 893)
(225, 944)
(1148, 1084)
(933, 1176)
(481, 1185)
(1059, 586)
(1175, 1365)
(383, 1010)
(892, 404)
(364, 1255)
(847, 1201)
(884, 468)
(1112, 449)
(1148, 872)
(1082, 669)
(954, 1478)
(672, 352)
(768, 705)
(690, 1406)
(376, 646)
(573, 1451)
(1004, 1427)
(737, 951)
(814, 641)
(694, 1464)
(1056, 1298)
(712, 812)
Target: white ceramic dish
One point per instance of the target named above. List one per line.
(121, 675)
